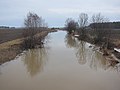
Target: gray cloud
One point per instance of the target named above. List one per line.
(13, 12)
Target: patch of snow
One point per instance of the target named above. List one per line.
(76, 35)
(118, 50)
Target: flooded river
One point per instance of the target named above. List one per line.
(64, 64)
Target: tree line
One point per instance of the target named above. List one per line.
(96, 30)
(113, 25)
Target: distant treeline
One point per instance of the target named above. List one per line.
(5, 27)
(112, 25)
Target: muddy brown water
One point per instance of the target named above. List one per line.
(64, 64)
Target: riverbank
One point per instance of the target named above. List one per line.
(109, 53)
(10, 49)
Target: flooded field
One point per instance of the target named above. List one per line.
(64, 64)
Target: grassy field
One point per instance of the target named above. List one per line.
(10, 34)
(8, 44)
(10, 41)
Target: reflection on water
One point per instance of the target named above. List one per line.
(87, 55)
(70, 41)
(35, 60)
(0, 70)
(68, 65)
(98, 61)
(81, 52)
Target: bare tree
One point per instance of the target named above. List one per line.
(98, 28)
(32, 20)
(83, 21)
(98, 18)
(33, 24)
(71, 25)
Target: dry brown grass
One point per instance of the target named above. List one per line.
(8, 44)
(116, 42)
(10, 49)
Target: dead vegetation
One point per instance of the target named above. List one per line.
(33, 24)
(13, 42)
(9, 50)
(100, 32)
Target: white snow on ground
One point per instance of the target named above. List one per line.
(76, 35)
(118, 50)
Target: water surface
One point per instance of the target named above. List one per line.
(64, 64)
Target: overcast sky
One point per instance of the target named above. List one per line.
(55, 12)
